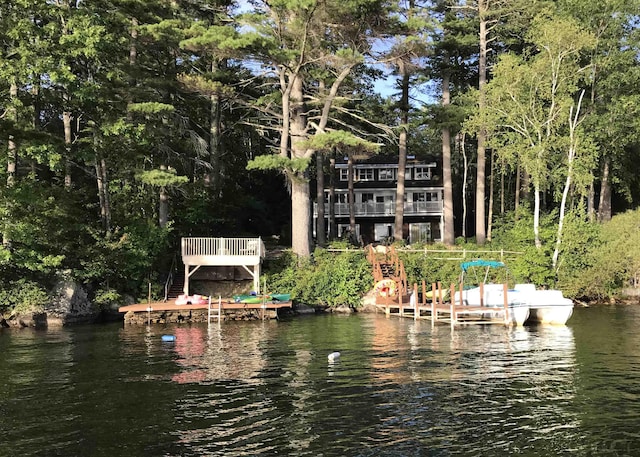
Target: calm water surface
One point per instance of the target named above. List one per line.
(401, 388)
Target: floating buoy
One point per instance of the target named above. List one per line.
(168, 338)
(333, 356)
(386, 288)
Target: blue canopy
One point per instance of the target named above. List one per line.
(481, 263)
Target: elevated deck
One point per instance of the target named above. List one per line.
(243, 252)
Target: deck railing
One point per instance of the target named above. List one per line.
(223, 247)
(373, 209)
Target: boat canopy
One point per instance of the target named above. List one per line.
(481, 263)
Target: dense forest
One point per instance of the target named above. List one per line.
(127, 124)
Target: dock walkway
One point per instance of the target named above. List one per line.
(433, 306)
(216, 309)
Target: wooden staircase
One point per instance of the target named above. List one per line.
(174, 285)
(387, 265)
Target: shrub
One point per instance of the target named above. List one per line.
(328, 279)
(22, 297)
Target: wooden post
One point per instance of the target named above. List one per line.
(481, 293)
(452, 305)
(434, 311)
(399, 291)
(507, 319)
(416, 308)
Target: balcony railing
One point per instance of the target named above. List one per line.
(373, 209)
(222, 251)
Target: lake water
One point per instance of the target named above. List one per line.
(400, 388)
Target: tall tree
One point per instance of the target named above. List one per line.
(528, 100)
(300, 35)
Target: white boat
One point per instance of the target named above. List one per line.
(545, 306)
(493, 297)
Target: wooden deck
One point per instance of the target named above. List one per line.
(225, 304)
(454, 312)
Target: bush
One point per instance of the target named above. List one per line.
(328, 279)
(22, 297)
(613, 261)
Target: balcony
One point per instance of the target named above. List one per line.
(372, 209)
(222, 251)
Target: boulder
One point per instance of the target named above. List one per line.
(342, 309)
(70, 305)
(304, 309)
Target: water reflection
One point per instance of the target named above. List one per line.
(263, 388)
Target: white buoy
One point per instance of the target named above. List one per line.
(333, 356)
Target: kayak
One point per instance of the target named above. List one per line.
(261, 298)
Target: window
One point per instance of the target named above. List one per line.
(422, 173)
(420, 232)
(425, 197)
(344, 174)
(386, 174)
(364, 174)
(383, 232)
(367, 197)
(343, 230)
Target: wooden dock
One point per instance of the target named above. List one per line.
(454, 311)
(216, 309)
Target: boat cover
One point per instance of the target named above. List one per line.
(481, 263)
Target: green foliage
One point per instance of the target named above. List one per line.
(162, 178)
(330, 279)
(613, 263)
(22, 296)
(151, 108)
(105, 298)
(339, 139)
(279, 163)
(126, 260)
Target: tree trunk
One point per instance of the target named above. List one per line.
(163, 208)
(571, 155)
(591, 203)
(107, 197)
(447, 182)
(35, 121)
(398, 234)
(12, 157)
(517, 191)
(300, 198)
(68, 140)
(213, 177)
(351, 194)
(320, 225)
(464, 185)
(480, 172)
(502, 196)
(333, 228)
(133, 58)
(604, 206)
(536, 216)
(491, 182)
